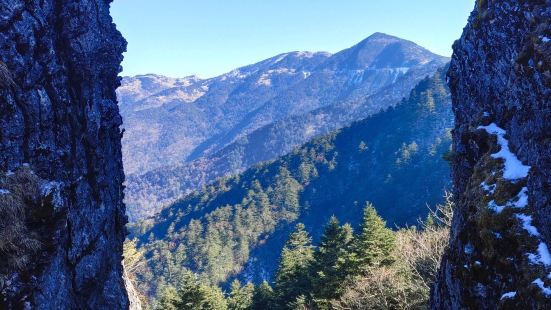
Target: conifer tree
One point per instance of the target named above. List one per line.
(263, 297)
(168, 298)
(194, 295)
(286, 194)
(241, 297)
(292, 278)
(213, 298)
(374, 245)
(300, 303)
(190, 296)
(330, 264)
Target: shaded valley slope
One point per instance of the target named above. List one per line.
(182, 134)
(236, 226)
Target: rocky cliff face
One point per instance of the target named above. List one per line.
(501, 86)
(59, 118)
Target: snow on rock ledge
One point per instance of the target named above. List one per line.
(514, 169)
(499, 74)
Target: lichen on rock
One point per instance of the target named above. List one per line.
(500, 82)
(60, 61)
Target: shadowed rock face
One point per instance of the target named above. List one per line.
(500, 79)
(60, 116)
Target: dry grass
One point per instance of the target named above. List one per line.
(6, 78)
(381, 288)
(19, 196)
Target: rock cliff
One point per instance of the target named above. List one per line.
(59, 119)
(501, 87)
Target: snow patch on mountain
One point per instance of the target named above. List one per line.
(514, 169)
(544, 289)
(526, 221)
(508, 295)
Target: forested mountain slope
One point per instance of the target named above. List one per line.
(183, 133)
(237, 226)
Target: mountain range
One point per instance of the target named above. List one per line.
(182, 134)
(236, 226)
(63, 224)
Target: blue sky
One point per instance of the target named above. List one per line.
(209, 37)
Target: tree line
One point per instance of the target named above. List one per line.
(374, 268)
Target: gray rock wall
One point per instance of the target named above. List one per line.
(60, 116)
(500, 74)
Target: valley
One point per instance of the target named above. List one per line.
(380, 176)
(182, 134)
(236, 226)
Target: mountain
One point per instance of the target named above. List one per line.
(62, 217)
(191, 131)
(498, 257)
(236, 226)
(166, 119)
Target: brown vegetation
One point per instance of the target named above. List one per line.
(25, 213)
(6, 78)
(405, 284)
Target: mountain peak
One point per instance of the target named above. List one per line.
(379, 38)
(381, 35)
(381, 50)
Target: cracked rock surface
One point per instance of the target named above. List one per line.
(501, 87)
(58, 114)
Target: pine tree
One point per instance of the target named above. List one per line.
(263, 297)
(168, 298)
(293, 278)
(300, 303)
(286, 194)
(241, 297)
(330, 266)
(190, 296)
(194, 295)
(213, 298)
(374, 245)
